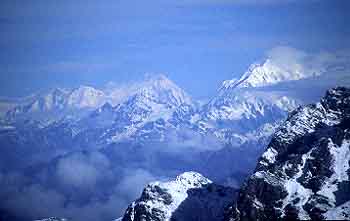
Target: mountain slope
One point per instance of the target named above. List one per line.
(158, 98)
(56, 104)
(235, 112)
(178, 199)
(284, 64)
(304, 172)
(269, 72)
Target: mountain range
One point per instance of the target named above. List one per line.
(153, 129)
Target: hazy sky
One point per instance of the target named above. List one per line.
(197, 43)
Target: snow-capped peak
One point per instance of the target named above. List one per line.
(85, 97)
(285, 64)
(163, 90)
(229, 84)
(52, 105)
(184, 181)
(272, 72)
(167, 200)
(166, 197)
(158, 97)
(54, 99)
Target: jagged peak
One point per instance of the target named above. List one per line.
(303, 173)
(106, 105)
(160, 81)
(279, 66)
(83, 89)
(58, 90)
(161, 89)
(169, 195)
(189, 180)
(85, 97)
(334, 106)
(337, 99)
(178, 198)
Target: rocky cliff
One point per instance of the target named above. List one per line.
(304, 173)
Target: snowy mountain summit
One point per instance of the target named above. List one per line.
(156, 98)
(270, 72)
(178, 200)
(280, 65)
(304, 173)
(162, 90)
(155, 94)
(58, 102)
(85, 97)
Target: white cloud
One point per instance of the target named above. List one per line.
(289, 59)
(187, 139)
(19, 195)
(82, 171)
(131, 185)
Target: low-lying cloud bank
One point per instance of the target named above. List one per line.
(80, 186)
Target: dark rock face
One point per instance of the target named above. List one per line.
(304, 173)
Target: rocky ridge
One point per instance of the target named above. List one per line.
(304, 173)
(179, 198)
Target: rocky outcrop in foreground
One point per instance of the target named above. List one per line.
(304, 173)
(189, 197)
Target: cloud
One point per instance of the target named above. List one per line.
(321, 70)
(101, 192)
(119, 92)
(291, 60)
(186, 141)
(132, 185)
(80, 170)
(35, 199)
(21, 197)
(285, 53)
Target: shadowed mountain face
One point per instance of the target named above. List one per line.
(304, 173)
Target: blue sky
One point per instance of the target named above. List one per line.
(197, 43)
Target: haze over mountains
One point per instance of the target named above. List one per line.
(119, 139)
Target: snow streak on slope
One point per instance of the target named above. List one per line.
(304, 173)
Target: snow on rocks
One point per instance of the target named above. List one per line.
(178, 199)
(304, 173)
